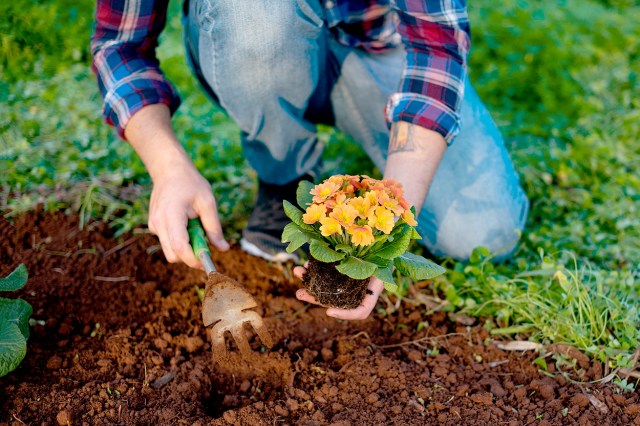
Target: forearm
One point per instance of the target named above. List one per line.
(436, 42)
(413, 159)
(124, 58)
(150, 134)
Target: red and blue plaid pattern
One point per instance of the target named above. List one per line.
(435, 35)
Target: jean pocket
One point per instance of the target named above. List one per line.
(203, 14)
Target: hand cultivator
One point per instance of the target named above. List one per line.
(226, 304)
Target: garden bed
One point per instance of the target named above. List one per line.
(119, 340)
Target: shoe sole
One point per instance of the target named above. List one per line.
(254, 250)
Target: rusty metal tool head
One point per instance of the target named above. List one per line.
(227, 304)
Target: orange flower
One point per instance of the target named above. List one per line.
(389, 203)
(362, 205)
(329, 227)
(349, 189)
(392, 184)
(337, 179)
(382, 219)
(408, 217)
(403, 203)
(345, 214)
(314, 213)
(361, 235)
(374, 184)
(323, 191)
(339, 198)
(356, 182)
(396, 191)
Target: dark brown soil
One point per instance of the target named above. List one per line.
(331, 288)
(119, 340)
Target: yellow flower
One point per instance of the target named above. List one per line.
(382, 219)
(314, 213)
(345, 214)
(323, 191)
(408, 217)
(361, 235)
(372, 198)
(362, 205)
(329, 227)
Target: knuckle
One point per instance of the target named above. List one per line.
(207, 201)
(178, 249)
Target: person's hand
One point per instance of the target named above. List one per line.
(361, 312)
(179, 194)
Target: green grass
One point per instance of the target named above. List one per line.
(557, 301)
(560, 77)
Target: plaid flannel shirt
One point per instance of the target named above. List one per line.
(435, 35)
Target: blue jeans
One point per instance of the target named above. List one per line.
(275, 68)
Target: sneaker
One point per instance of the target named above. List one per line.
(263, 234)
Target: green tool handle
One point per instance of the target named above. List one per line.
(198, 242)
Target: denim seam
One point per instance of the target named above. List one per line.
(361, 122)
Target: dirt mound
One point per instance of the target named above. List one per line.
(119, 340)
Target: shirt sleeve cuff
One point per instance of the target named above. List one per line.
(120, 112)
(424, 112)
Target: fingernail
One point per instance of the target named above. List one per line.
(222, 244)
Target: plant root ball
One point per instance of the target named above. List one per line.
(331, 288)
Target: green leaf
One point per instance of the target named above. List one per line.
(415, 235)
(293, 213)
(15, 280)
(399, 245)
(417, 267)
(356, 268)
(391, 288)
(16, 312)
(344, 248)
(13, 347)
(295, 236)
(386, 275)
(381, 262)
(383, 238)
(323, 253)
(303, 193)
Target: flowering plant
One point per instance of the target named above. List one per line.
(363, 225)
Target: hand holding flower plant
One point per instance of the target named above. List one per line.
(357, 227)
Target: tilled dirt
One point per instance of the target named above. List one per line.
(119, 340)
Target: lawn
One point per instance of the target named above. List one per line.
(560, 77)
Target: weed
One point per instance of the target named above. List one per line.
(624, 385)
(14, 322)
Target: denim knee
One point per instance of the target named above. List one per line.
(460, 232)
